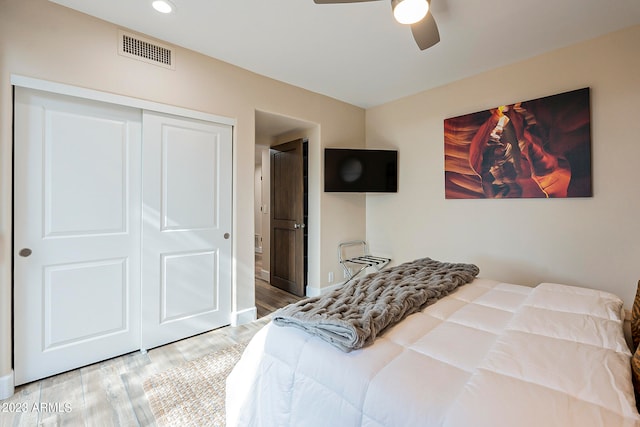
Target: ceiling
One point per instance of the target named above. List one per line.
(356, 52)
(269, 126)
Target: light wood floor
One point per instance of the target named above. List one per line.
(110, 393)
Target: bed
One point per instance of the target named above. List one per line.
(486, 354)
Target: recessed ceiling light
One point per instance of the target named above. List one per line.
(162, 6)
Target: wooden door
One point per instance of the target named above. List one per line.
(287, 217)
(186, 244)
(76, 232)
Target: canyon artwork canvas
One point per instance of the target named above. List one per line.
(532, 149)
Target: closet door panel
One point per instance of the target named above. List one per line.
(76, 232)
(189, 157)
(186, 244)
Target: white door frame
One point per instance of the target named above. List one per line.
(95, 95)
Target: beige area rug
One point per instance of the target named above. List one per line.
(193, 393)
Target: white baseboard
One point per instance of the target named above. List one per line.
(244, 316)
(315, 292)
(7, 387)
(265, 275)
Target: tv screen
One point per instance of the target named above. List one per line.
(360, 171)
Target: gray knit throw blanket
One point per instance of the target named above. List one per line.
(352, 316)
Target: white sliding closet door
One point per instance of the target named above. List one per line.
(76, 232)
(121, 230)
(186, 246)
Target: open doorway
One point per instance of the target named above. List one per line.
(271, 130)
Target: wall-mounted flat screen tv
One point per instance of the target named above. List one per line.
(360, 171)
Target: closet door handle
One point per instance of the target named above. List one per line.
(24, 252)
(296, 226)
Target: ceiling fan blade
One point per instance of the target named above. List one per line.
(425, 32)
(339, 1)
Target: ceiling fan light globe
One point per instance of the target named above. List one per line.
(409, 11)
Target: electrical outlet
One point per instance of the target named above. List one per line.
(331, 277)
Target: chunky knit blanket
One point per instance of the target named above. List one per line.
(352, 316)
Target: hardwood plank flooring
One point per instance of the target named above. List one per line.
(269, 298)
(110, 393)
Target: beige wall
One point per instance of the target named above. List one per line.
(591, 242)
(42, 40)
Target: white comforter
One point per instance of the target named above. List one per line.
(490, 354)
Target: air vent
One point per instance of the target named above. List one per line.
(136, 47)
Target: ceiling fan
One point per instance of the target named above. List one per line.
(409, 12)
